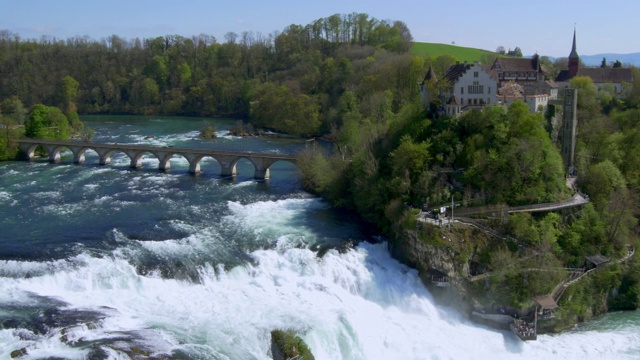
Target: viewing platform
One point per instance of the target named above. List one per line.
(526, 331)
(440, 281)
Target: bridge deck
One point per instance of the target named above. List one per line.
(149, 148)
(227, 159)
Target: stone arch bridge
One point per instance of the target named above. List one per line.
(227, 159)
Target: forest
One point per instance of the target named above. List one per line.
(351, 79)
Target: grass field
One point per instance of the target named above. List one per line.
(458, 52)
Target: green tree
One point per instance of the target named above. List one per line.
(587, 95)
(511, 157)
(47, 122)
(158, 70)
(601, 181)
(277, 107)
(69, 90)
(517, 52)
(633, 90)
(145, 93)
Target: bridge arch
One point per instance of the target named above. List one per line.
(260, 164)
(80, 152)
(136, 156)
(30, 150)
(164, 158)
(263, 166)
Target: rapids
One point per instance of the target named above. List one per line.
(105, 262)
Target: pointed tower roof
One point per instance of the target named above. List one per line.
(430, 76)
(574, 53)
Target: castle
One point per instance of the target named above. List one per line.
(468, 86)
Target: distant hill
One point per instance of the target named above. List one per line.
(459, 52)
(467, 54)
(596, 60)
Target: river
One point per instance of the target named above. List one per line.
(108, 262)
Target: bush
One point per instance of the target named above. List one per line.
(209, 132)
(290, 345)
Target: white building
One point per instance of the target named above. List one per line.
(469, 86)
(536, 103)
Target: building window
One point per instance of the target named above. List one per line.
(461, 90)
(475, 74)
(489, 90)
(475, 88)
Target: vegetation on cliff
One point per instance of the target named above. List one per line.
(287, 345)
(501, 155)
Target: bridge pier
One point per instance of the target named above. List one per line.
(194, 168)
(165, 160)
(261, 174)
(228, 171)
(78, 154)
(164, 165)
(136, 158)
(194, 162)
(54, 153)
(262, 166)
(105, 155)
(54, 156)
(227, 165)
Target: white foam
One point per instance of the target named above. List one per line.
(257, 215)
(16, 269)
(224, 134)
(64, 209)
(47, 194)
(162, 140)
(5, 196)
(357, 305)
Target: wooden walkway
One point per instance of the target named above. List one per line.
(574, 274)
(573, 278)
(577, 199)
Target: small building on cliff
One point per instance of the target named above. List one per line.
(595, 261)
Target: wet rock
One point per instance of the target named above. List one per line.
(19, 353)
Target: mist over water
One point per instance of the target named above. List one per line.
(105, 262)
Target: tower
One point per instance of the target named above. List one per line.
(568, 133)
(427, 87)
(574, 59)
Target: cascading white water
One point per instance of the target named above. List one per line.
(356, 305)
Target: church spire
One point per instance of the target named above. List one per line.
(574, 53)
(574, 59)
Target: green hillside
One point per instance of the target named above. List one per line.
(459, 52)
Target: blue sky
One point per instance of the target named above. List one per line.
(542, 26)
